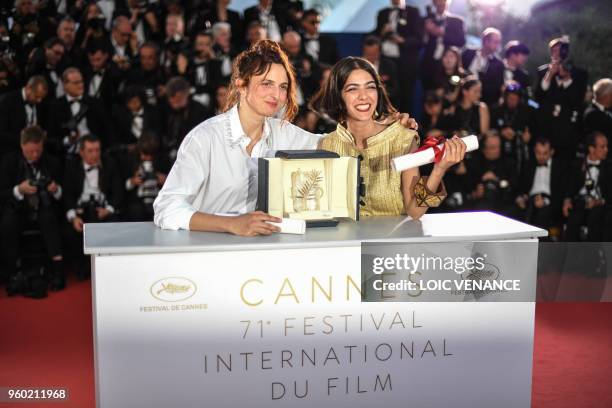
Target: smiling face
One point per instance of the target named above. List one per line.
(360, 95)
(265, 94)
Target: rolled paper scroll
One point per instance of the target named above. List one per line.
(420, 158)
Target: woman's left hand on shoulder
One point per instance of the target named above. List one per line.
(454, 152)
(404, 119)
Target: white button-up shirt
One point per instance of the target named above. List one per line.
(213, 172)
(541, 180)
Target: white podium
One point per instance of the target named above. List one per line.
(187, 319)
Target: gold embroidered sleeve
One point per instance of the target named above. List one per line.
(425, 197)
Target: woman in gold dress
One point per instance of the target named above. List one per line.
(355, 97)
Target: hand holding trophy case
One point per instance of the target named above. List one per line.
(316, 186)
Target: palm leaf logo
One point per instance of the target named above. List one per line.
(308, 188)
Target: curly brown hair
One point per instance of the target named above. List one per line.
(256, 61)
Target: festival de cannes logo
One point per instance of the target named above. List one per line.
(173, 289)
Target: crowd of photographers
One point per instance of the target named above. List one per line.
(96, 97)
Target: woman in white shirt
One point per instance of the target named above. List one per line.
(216, 166)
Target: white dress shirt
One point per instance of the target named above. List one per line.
(31, 116)
(541, 180)
(593, 174)
(91, 187)
(75, 107)
(214, 174)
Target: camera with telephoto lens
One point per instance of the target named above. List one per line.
(41, 184)
(88, 210)
(496, 190)
(149, 188)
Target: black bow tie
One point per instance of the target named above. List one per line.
(92, 168)
(72, 102)
(593, 166)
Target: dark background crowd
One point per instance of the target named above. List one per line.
(94, 103)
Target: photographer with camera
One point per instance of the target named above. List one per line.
(560, 91)
(27, 31)
(92, 27)
(516, 54)
(493, 177)
(442, 30)
(447, 76)
(102, 77)
(92, 193)
(143, 16)
(307, 70)
(400, 29)
(202, 70)
(133, 119)
(74, 115)
(144, 176)
(175, 44)
(29, 198)
(47, 61)
(123, 43)
(148, 73)
(513, 120)
(541, 189)
(587, 199)
(486, 64)
(180, 113)
(20, 108)
(66, 31)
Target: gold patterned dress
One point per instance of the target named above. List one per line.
(383, 193)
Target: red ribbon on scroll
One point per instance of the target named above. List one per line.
(433, 142)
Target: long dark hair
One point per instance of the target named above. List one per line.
(329, 98)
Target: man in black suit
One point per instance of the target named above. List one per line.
(442, 30)
(516, 54)
(270, 17)
(322, 48)
(202, 70)
(29, 198)
(386, 68)
(123, 43)
(223, 48)
(307, 71)
(560, 90)
(180, 114)
(513, 119)
(542, 188)
(20, 108)
(75, 115)
(134, 118)
(66, 31)
(144, 173)
(588, 196)
(493, 177)
(401, 31)
(143, 16)
(148, 73)
(102, 78)
(598, 116)
(46, 61)
(92, 193)
(485, 63)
